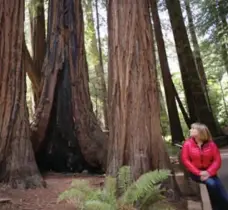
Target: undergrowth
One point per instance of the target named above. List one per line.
(120, 193)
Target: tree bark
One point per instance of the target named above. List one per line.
(28, 62)
(163, 112)
(196, 100)
(38, 38)
(17, 163)
(64, 115)
(175, 125)
(221, 11)
(196, 51)
(181, 106)
(135, 133)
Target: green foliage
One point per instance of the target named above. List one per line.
(143, 194)
(172, 150)
(33, 6)
(124, 179)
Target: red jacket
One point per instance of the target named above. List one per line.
(196, 159)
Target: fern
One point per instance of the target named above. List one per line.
(98, 205)
(124, 179)
(145, 185)
(109, 191)
(142, 194)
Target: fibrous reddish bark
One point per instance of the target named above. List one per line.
(135, 133)
(64, 115)
(17, 163)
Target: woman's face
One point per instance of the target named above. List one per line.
(194, 133)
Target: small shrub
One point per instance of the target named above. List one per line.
(143, 194)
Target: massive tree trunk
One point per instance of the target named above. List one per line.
(196, 100)
(38, 39)
(135, 133)
(64, 124)
(17, 163)
(95, 50)
(175, 125)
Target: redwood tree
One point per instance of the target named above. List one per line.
(135, 133)
(65, 129)
(195, 96)
(34, 62)
(175, 125)
(17, 162)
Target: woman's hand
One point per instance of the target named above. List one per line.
(204, 175)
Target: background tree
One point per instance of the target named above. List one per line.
(17, 162)
(65, 130)
(197, 103)
(34, 63)
(175, 125)
(94, 52)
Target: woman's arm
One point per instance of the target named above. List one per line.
(186, 160)
(216, 164)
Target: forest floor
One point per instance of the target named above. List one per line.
(46, 199)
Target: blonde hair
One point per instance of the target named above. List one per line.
(204, 133)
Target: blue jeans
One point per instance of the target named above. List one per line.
(216, 191)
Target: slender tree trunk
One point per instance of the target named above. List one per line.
(102, 77)
(163, 113)
(135, 133)
(64, 118)
(196, 100)
(28, 62)
(196, 51)
(175, 125)
(38, 38)
(223, 17)
(96, 51)
(181, 106)
(17, 162)
(221, 25)
(223, 98)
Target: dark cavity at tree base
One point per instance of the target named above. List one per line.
(60, 150)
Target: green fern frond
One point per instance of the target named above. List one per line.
(144, 193)
(110, 185)
(146, 184)
(81, 190)
(109, 191)
(71, 194)
(161, 206)
(150, 198)
(124, 179)
(97, 205)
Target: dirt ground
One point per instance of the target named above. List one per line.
(46, 199)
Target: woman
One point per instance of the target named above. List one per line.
(202, 159)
